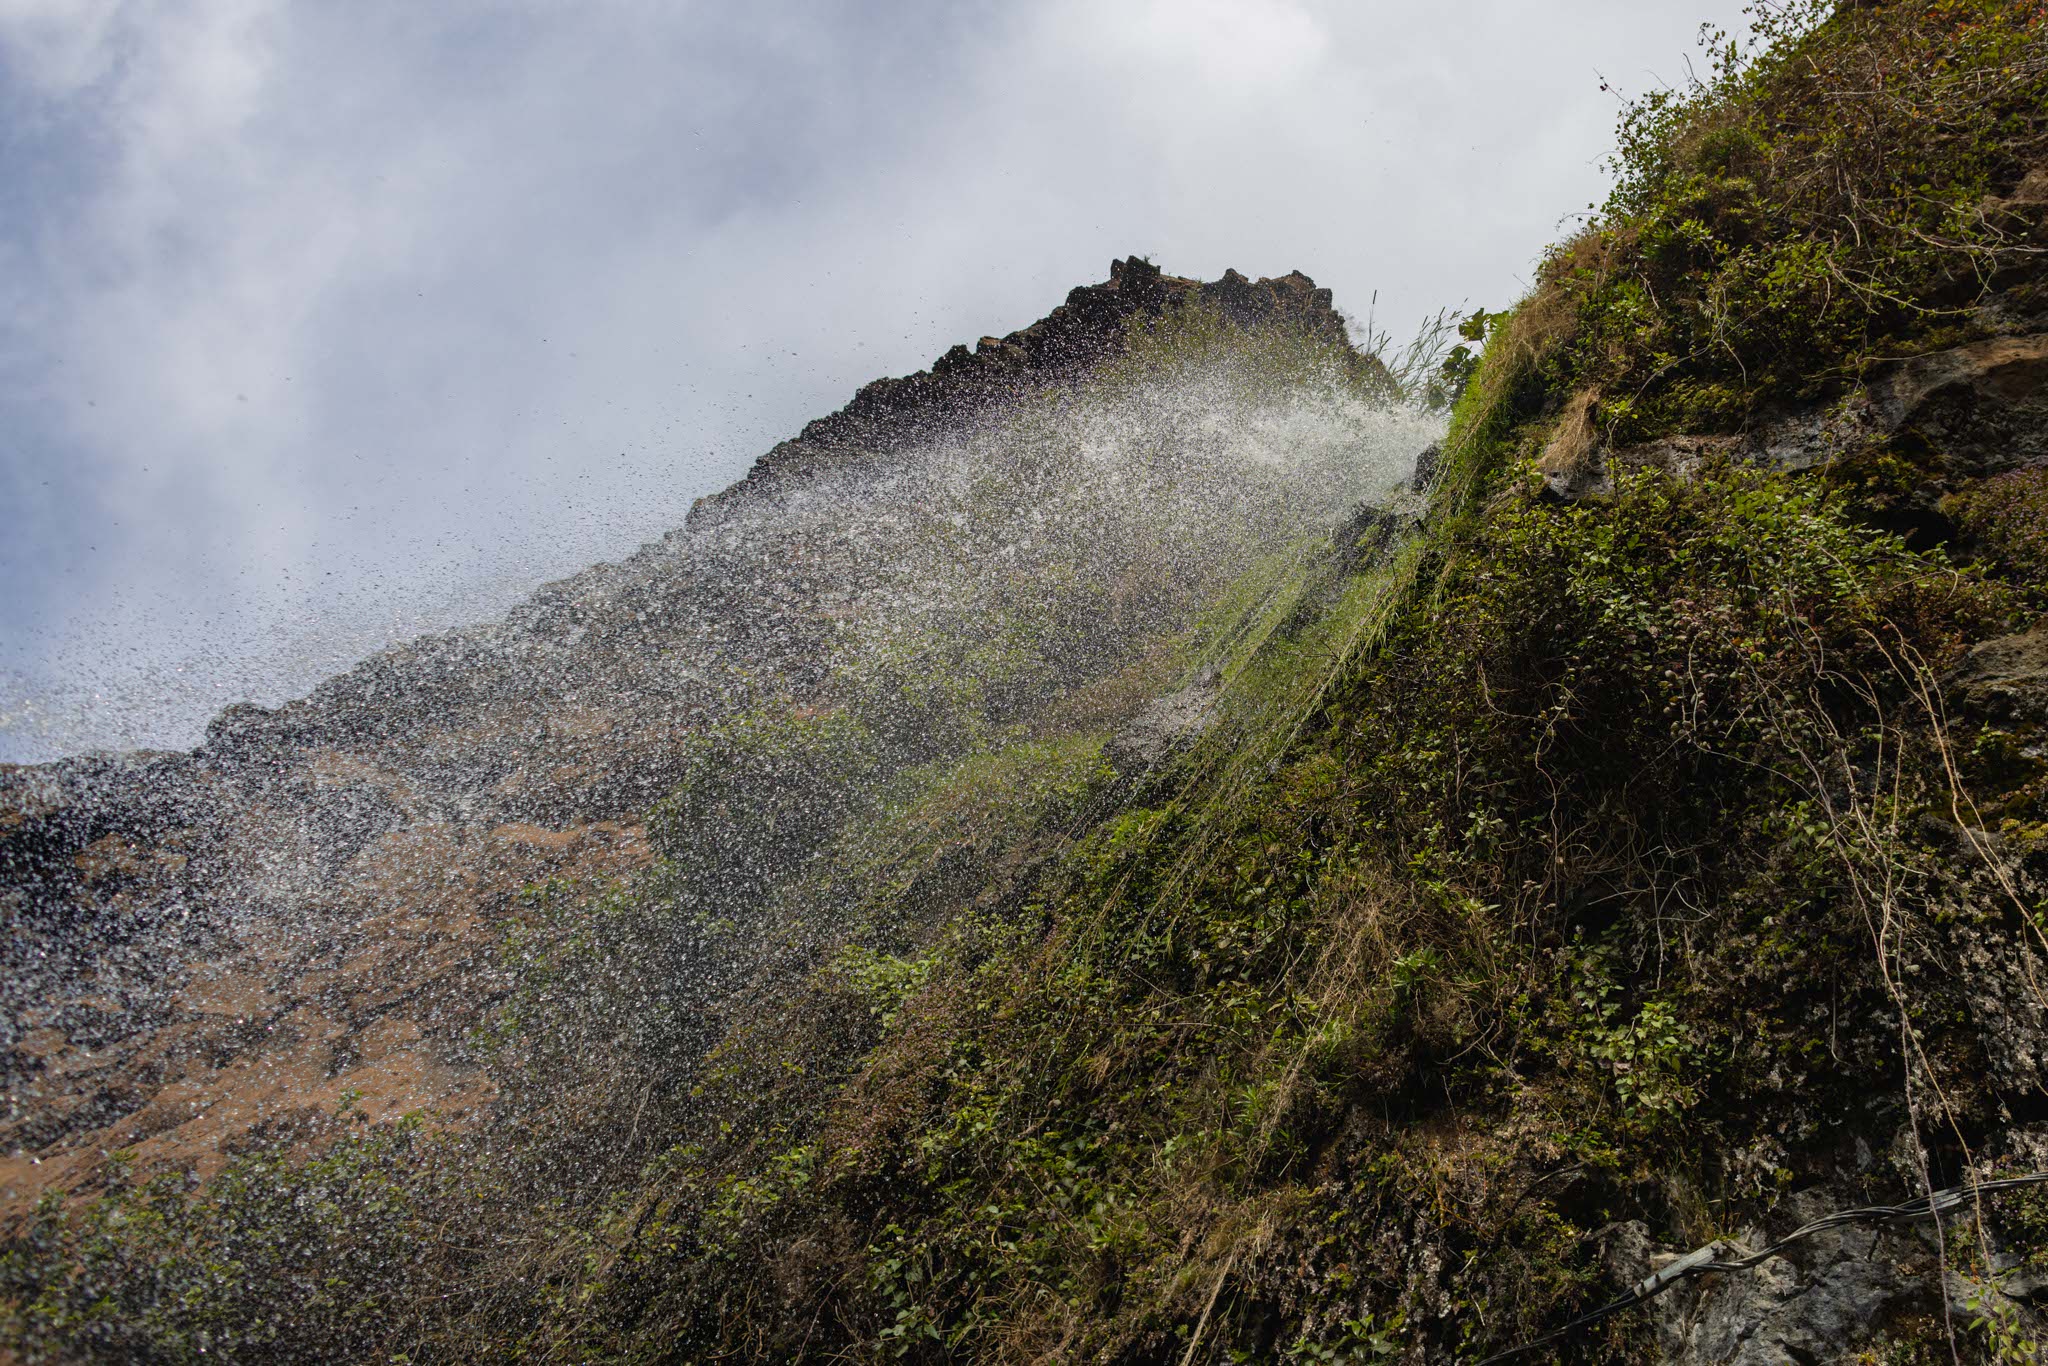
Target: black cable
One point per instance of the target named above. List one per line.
(1703, 1261)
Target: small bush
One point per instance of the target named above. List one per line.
(2006, 518)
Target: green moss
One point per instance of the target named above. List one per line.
(2005, 520)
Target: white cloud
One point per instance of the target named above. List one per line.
(325, 322)
(1229, 50)
(58, 46)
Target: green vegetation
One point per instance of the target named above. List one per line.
(1553, 866)
(2007, 517)
(271, 1260)
(1461, 935)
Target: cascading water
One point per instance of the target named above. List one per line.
(949, 602)
(430, 887)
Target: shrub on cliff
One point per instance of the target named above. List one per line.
(1818, 201)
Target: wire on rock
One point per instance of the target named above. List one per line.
(1707, 1261)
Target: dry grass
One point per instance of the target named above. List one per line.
(1574, 439)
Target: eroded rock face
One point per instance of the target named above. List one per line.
(1841, 1291)
(208, 946)
(1971, 411)
(1844, 1286)
(1961, 414)
(275, 934)
(1985, 406)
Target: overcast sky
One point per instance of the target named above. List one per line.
(322, 324)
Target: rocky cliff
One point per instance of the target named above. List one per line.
(208, 949)
(1592, 907)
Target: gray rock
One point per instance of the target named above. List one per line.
(1427, 466)
(1984, 405)
(1822, 1300)
(1977, 410)
(2007, 678)
(1981, 408)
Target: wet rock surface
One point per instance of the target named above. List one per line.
(1165, 727)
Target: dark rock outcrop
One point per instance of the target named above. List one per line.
(1081, 332)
